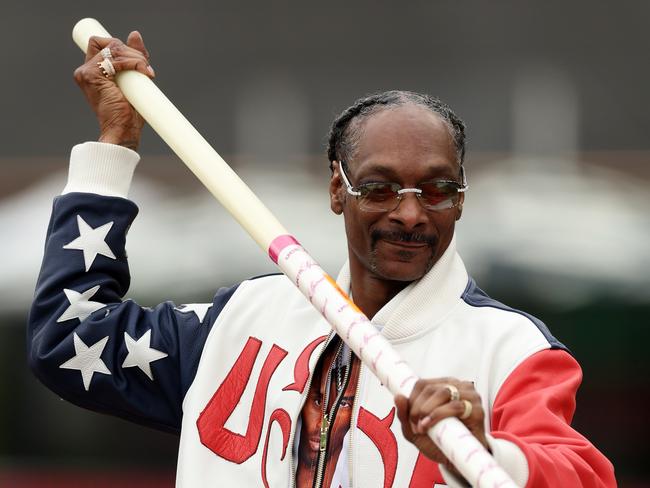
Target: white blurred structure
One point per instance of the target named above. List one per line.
(564, 235)
(557, 230)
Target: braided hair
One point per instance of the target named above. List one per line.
(344, 133)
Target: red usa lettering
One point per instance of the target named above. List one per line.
(238, 448)
(425, 473)
(235, 447)
(211, 423)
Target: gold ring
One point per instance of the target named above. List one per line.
(107, 67)
(454, 394)
(468, 410)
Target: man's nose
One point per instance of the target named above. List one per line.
(409, 211)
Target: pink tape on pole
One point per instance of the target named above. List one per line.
(279, 243)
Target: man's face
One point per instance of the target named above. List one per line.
(407, 145)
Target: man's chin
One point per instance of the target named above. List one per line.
(407, 271)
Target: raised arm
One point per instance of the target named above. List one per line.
(86, 342)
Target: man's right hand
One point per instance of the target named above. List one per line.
(119, 122)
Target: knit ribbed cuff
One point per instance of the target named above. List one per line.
(101, 168)
(511, 458)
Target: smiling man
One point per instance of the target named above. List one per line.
(395, 236)
(260, 390)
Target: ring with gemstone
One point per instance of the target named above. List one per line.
(107, 68)
(454, 394)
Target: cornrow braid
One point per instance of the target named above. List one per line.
(344, 133)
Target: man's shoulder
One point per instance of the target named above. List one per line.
(478, 299)
(272, 281)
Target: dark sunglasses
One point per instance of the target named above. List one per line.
(385, 197)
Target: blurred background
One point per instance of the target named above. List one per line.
(556, 222)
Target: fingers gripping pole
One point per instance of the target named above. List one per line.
(453, 438)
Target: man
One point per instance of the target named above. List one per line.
(259, 388)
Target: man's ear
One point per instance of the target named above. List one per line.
(336, 190)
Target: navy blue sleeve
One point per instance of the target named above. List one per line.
(91, 347)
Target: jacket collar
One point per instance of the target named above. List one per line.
(423, 303)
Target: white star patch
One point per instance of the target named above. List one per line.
(80, 305)
(200, 309)
(87, 359)
(141, 354)
(91, 241)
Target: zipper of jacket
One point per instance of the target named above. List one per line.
(328, 420)
(353, 419)
(305, 392)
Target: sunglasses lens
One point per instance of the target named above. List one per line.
(439, 195)
(378, 196)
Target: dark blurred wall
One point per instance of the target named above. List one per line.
(208, 55)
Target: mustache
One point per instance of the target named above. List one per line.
(400, 236)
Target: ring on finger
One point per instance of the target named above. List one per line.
(454, 394)
(107, 68)
(106, 53)
(467, 411)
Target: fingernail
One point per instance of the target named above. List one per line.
(151, 71)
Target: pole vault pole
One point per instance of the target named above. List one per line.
(452, 437)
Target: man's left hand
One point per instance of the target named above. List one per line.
(431, 401)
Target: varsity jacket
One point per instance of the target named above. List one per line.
(231, 376)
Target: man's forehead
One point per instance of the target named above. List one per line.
(409, 114)
(404, 131)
